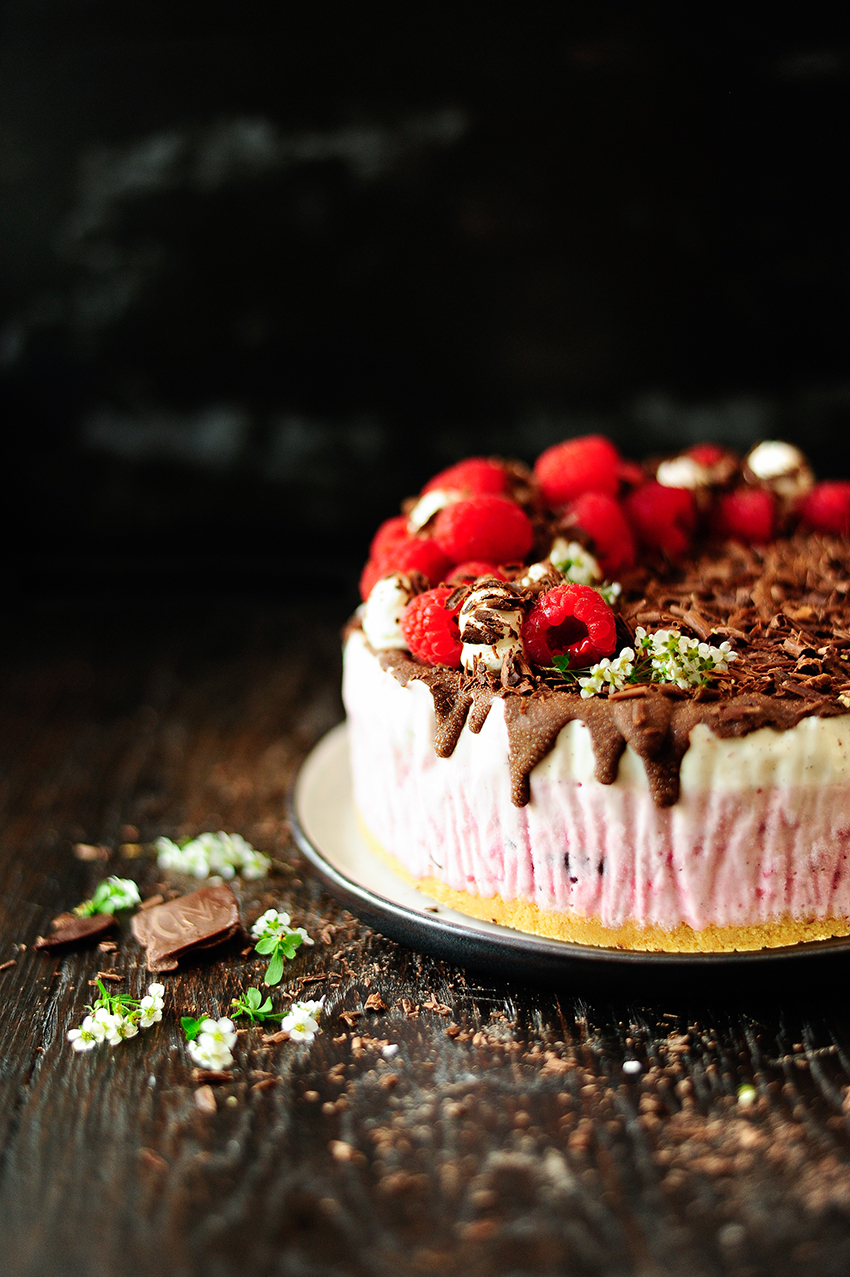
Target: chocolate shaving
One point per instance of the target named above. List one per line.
(198, 921)
(72, 930)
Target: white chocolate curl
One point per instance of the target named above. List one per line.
(683, 472)
(381, 618)
(490, 623)
(428, 505)
(782, 467)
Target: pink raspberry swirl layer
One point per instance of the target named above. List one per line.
(760, 832)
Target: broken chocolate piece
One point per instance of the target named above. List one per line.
(71, 930)
(198, 921)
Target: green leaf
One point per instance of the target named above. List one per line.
(265, 1008)
(289, 944)
(100, 901)
(190, 1027)
(253, 998)
(274, 971)
(266, 944)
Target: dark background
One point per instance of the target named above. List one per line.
(262, 279)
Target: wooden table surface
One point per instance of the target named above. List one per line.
(504, 1136)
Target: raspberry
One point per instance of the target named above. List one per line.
(707, 454)
(416, 554)
(430, 629)
(588, 464)
(664, 518)
(571, 620)
(601, 518)
(390, 532)
(472, 477)
(484, 527)
(827, 507)
(466, 573)
(747, 514)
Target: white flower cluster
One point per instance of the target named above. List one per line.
(109, 896)
(274, 925)
(607, 673)
(663, 657)
(575, 562)
(221, 853)
(680, 660)
(213, 1047)
(113, 1020)
(302, 1020)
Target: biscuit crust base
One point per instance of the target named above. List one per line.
(523, 915)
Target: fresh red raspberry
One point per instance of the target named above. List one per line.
(630, 474)
(389, 533)
(601, 518)
(430, 628)
(571, 620)
(707, 454)
(588, 464)
(747, 514)
(416, 554)
(470, 571)
(484, 527)
(827, 507)
(664, 518)
(472, 477)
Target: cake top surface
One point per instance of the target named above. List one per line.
(641, 598)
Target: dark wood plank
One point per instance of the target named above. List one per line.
(503, 1136)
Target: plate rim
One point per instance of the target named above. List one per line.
(522, 951)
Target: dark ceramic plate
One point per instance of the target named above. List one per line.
(326, 830)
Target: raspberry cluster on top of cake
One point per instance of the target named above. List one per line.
(627, 622)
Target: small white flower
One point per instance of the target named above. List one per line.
(212, 1049)
(302, 1020)
(272, 923)
(305, 939)
(122, 1027)
(123, 894)
(150, 1007)
(90, 1034)
(209, 1054)
(575, 562)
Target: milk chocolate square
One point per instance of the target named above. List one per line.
(197, 921)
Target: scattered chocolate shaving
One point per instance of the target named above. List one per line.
(73, 930)
(350, 1017)
(152, 902)
(87, 851)
(111, 976)
(107, 946)
(4, 966)
(271, 1039)
(197, 921)
(439, 1008)
(212, 1075)
(375, 1002)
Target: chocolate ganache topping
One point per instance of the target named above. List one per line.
(783, 606)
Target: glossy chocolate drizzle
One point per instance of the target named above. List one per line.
(656, 723)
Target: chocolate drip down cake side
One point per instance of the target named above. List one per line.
(608, 702)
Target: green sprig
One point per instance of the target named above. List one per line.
(255, 1007)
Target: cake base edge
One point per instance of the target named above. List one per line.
(525, 916)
